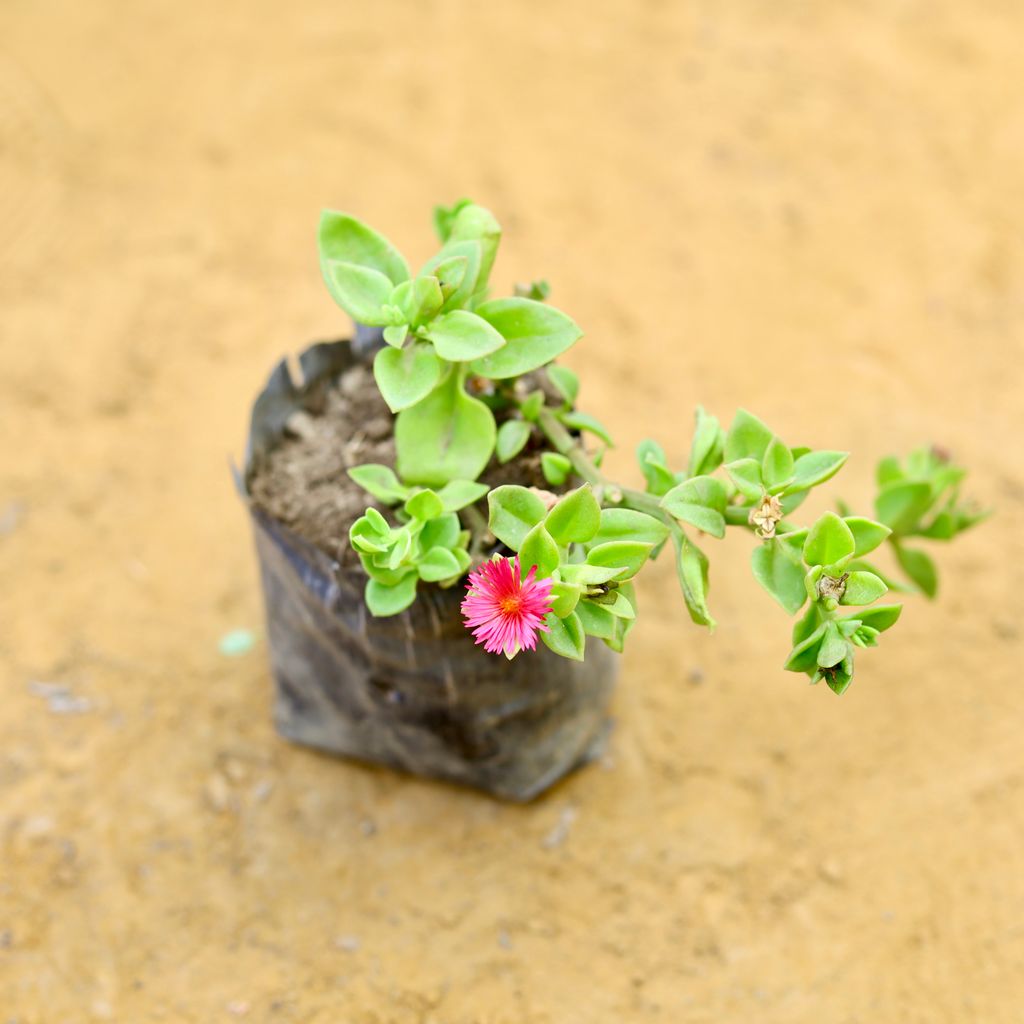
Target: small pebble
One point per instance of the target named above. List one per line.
(831, 872)
(235, 769)
(236, 643)
(11, 516)
(560, 832)
(218, 793)
(378, 428)
(300, 424)
(262, 790)
(59, 698)
(348, 943)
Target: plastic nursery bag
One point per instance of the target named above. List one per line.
(412, 691)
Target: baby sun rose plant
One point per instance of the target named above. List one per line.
(473, 381)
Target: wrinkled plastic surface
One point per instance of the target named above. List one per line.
(411, 691)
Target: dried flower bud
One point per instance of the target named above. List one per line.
(549, 499)
(831, 587)
(765, 516)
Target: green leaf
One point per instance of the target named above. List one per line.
(444, 217)
(622, 607)
(378, 522)
(361, 291)
(792, 501)
(424, 505)
(699, 501)
(777, 466)
(367, 537)
(828, 541)
(438, 564)
(628, 524)
(704, 519)
(814, 574)
(804, 656)
(692, 570)
(419, 300)
(401, 544)
(530, 407)
(806, 624)
(576, 420)
(565, 382)
(792, 543)
(627, 553)
(565, 636)
(512, 438)
(380, 481)
(589, 575)
(815, 468)
(389, 577)
(901, 505)
(597, 621)
(777, 573)
(575, 518)
(834, 647)
(442, 532)
(881, 617)
(839, 677)
(457, 494)
(450, 273)
(473, 223)
(539, 290)
(888, 471)
(849, 626)
(457, 267)
(345, 239)
(746, 475)
(867, 534)
(539, 549)
(862, 588)
(395, 334)
(447, 436)
(920, 568)
(748, 438)
(708, 445)
(942, 527)
(555, 467)
(651, 457)
(461, 336)
(384, 600)
(514, 511)
(535, 333)
(406, 376)
(618, 640)
(564, 598)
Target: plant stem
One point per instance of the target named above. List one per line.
(478, 530)
(564, 443)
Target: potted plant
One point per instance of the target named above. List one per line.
(448, 572)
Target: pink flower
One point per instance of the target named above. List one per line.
(503, 611)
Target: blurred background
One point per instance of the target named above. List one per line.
(809, 209)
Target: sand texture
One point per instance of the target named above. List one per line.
(809, 209)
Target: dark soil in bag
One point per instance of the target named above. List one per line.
(412, 691)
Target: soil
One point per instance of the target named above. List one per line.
(810, 210)
(304, 482)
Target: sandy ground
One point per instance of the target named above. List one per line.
(812, 209)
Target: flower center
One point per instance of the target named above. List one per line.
(511, 605)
